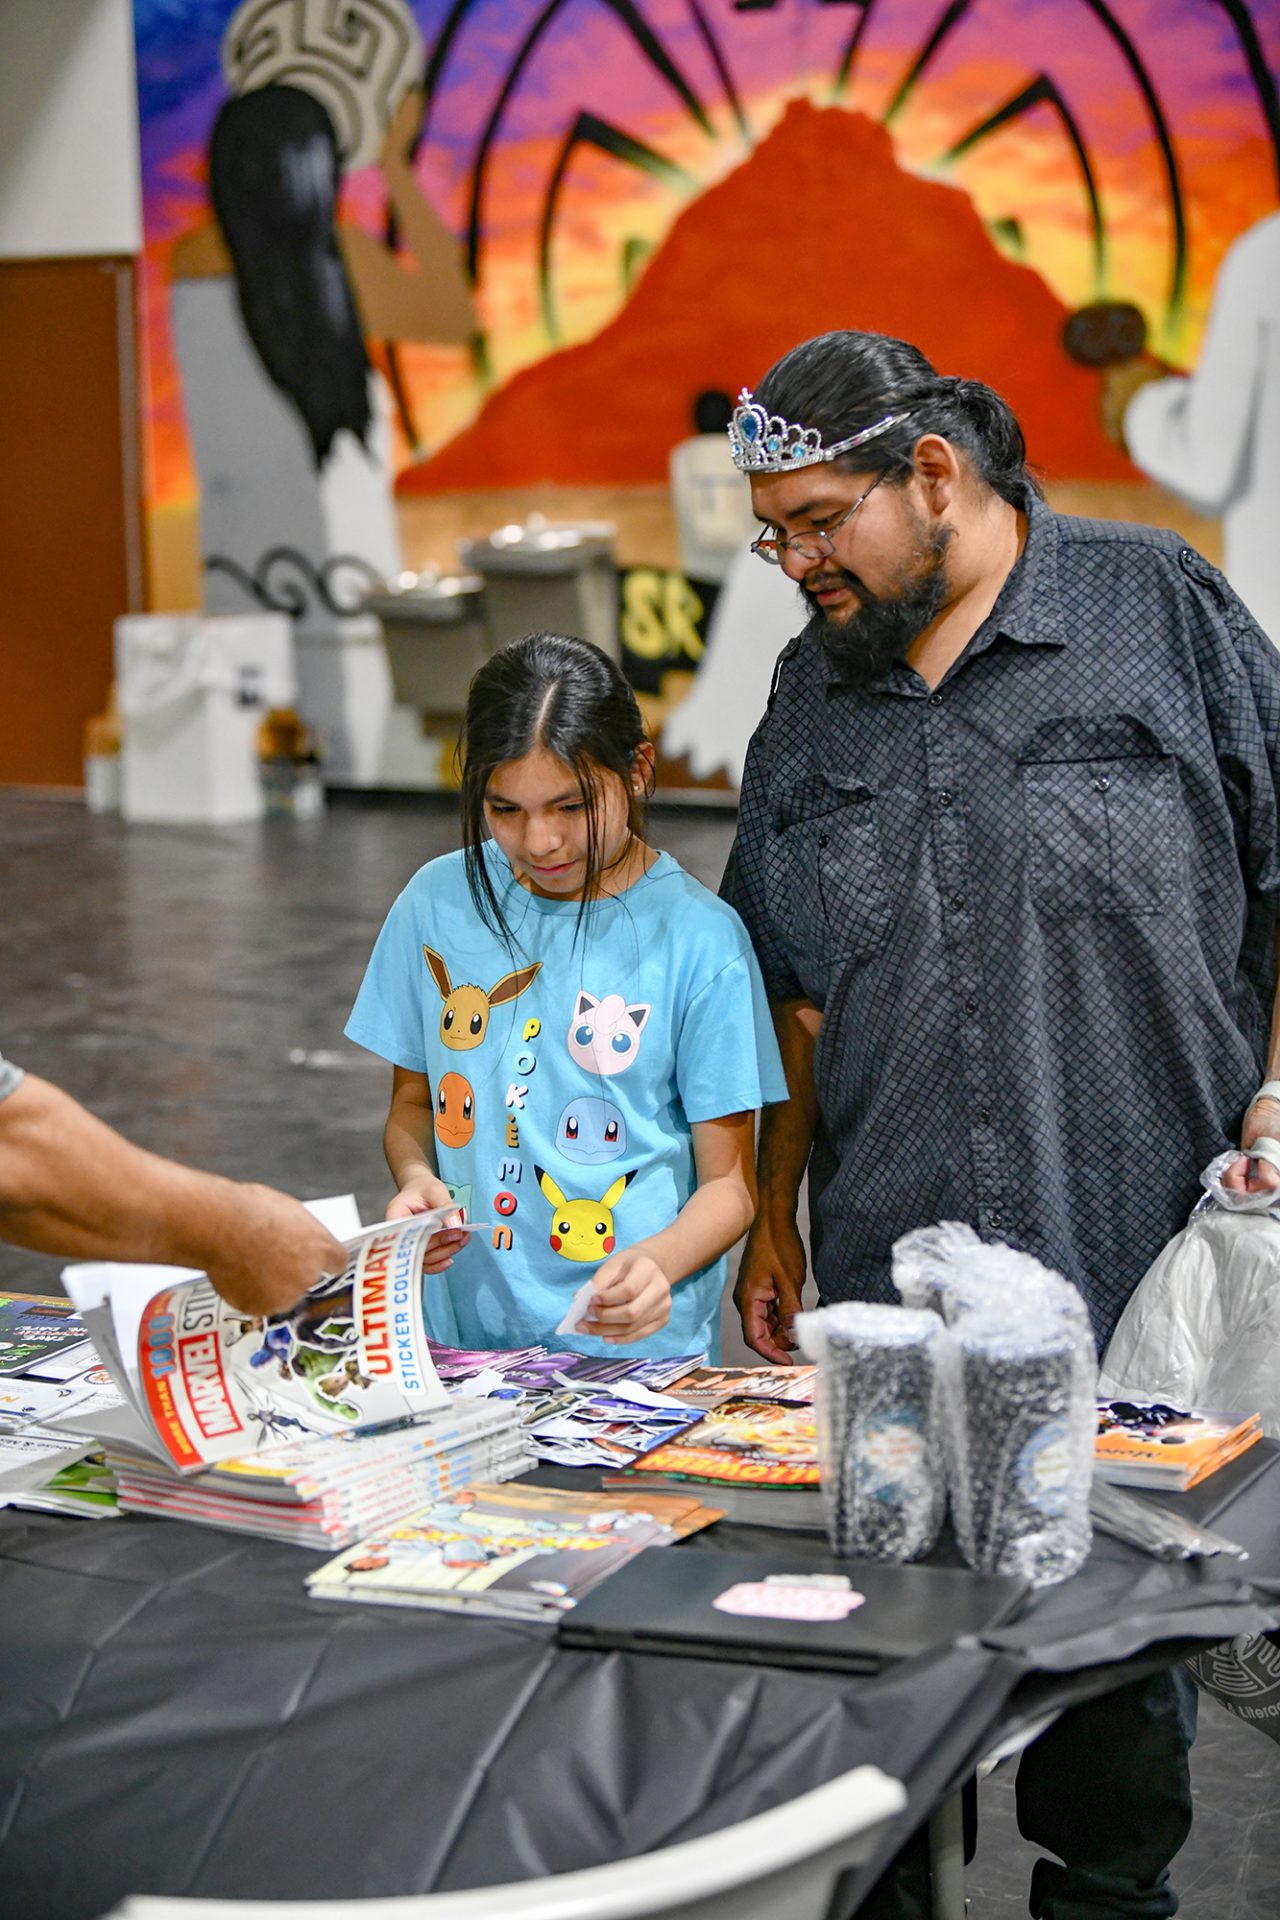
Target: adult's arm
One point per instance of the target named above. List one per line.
(426, 295)
(70, 1184)
(1193, 434)
(771, 1276)
(1261, 1119)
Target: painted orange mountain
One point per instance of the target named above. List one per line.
(818, 229)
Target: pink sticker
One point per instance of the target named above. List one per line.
(773, 1600)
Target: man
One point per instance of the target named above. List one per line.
(1009, 851)
(69, 1184)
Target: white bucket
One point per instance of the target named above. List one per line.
(193, 689)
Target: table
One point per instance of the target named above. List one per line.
(176, 1716)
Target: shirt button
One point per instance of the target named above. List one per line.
(971, 1006)
(824, 839)
(935, 699)
(944, 799)
(984, 1116)
(995, 1220)
(957, 903)
(1102, 782)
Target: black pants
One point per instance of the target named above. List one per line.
(1108, 1790)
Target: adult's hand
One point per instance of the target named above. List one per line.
(770, 1282)
(270, 1251)
(1249, 1175)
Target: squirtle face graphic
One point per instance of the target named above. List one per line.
(591, 1130)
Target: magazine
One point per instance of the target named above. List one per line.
(30, 1455)
(709, 1386)
(541, 1370)
(86, 1489)
(204, 1382)
(742, 1443)
(1146, 1443)
(605, 1429)
(507, 1552)
(42, 1336)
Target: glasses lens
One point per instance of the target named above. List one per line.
(768, 550)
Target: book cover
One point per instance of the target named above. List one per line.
(742, 1442)
(519, 1552)
(205, 1382)
(36, 1328)
(708, 1386)
(1150, 1444)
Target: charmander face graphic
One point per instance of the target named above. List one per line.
(464, 1020)
(583, 1229)
(604, 1035)
(455, 1111)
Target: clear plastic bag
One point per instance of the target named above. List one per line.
(1202, 1329)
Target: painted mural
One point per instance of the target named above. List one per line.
(555, 223)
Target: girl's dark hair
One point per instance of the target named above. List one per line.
(546, 693)
(842, 382)
(273, 180)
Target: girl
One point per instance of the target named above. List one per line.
(578, 1032)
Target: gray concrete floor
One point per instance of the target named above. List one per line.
(190, 986)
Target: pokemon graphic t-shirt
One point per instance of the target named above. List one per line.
(565, 1074)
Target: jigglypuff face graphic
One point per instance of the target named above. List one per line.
(465, 1018)
(604, 1035)
(583, 1229)
(455, 1111)
(591, 1130)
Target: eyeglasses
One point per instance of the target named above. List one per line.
(809, 546)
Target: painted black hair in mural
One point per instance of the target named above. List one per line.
(546, 693)
(841, 382)
(273, 179)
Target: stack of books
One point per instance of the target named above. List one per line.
(308, 1425)
(1146, 1443)
(508, 1553)
(326, 1492)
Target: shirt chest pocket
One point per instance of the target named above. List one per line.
(1103, 807)
(826, 878)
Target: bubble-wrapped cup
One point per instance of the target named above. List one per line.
(1020, 1438)
(879, 1409)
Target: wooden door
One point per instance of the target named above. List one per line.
(70, 504)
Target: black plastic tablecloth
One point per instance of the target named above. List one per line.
(176, 1716)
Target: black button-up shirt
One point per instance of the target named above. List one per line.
(1036, 906)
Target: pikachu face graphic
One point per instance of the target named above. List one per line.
(583, 1229)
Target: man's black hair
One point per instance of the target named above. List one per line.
(842, 382)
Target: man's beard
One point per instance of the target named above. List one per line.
(884, 627)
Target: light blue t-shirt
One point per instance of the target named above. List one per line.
(566, 1073)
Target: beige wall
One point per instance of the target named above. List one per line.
(69, 171)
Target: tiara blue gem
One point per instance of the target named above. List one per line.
(766, 443)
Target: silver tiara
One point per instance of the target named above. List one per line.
(766, 443)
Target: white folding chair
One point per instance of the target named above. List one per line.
(780, 1865)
